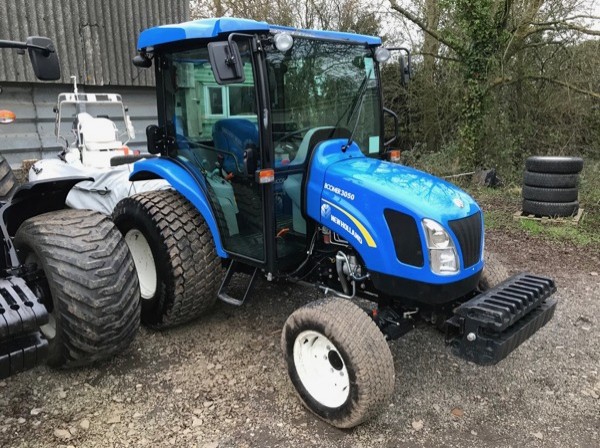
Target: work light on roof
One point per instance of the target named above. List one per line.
(283, 41)
(382, 54)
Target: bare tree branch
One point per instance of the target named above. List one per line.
(437, 56)
(510, 80)
(421, 24)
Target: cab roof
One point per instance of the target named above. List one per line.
(211, 28)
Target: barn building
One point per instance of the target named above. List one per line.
(95, 41)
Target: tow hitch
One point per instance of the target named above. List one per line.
(487, 328)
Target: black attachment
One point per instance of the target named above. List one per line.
(156, 138)
(22, 345)
(486, 329)
(392, 324)
(237, 268)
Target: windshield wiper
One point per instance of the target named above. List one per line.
(357, 106)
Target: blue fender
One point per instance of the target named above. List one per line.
(185, 184)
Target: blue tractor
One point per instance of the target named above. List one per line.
(273, 141)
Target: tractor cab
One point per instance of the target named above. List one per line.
(242, 106)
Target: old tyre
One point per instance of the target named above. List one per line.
(174, 255)
(94, 298)
(494, 272)
(338, 360)
(550, 194)
(558, 165)
(547, 180)
(550, 208)
(8, 180)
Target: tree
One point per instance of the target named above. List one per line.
(489, 44)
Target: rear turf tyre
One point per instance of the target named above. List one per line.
(94, 301)
(174, 255)
(494, 272)
(553, 209)
(338, 360)
(550, 194)
(548, 180)
(552, 164)
(8, 180)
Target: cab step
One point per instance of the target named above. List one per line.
(242, 270)
(487, 328)
(22, 345)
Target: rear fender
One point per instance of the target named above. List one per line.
(185, 184)
(31, 199)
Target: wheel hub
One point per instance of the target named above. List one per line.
(144, 262)
(321, 369)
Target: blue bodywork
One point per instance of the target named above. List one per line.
(349, 192)
(211, 28)
(186, 184)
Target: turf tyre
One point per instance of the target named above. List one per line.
(188, 269)
(556, 165)
(362, 348)
(549, 180)
(8, 180)
(550, 194)
(494, 272)
(552, 209)
(89, 272)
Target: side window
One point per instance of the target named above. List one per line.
(241, 100)
(214, 101)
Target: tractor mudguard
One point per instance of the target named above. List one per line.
(34, 198)
(378, 207)
(184, 183)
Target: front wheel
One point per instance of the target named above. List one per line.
(338, 360)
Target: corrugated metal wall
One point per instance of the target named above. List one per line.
(95, 39)
(31, 136)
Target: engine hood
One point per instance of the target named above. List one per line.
(401, 188)
(356, 197)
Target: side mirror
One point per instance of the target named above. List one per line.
(156, 139)
(142, 61)
(226, 62)
(44, 59)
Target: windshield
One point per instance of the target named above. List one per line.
(321, 84)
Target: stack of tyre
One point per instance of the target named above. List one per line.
(550, 186)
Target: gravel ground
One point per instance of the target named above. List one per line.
(221, 382)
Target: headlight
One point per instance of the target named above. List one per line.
(443, 257)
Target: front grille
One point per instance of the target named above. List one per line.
(468, 234)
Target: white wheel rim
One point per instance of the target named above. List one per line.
(144, 262)
(321, 369)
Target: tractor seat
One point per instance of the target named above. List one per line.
(97, 133)
(234, 135)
